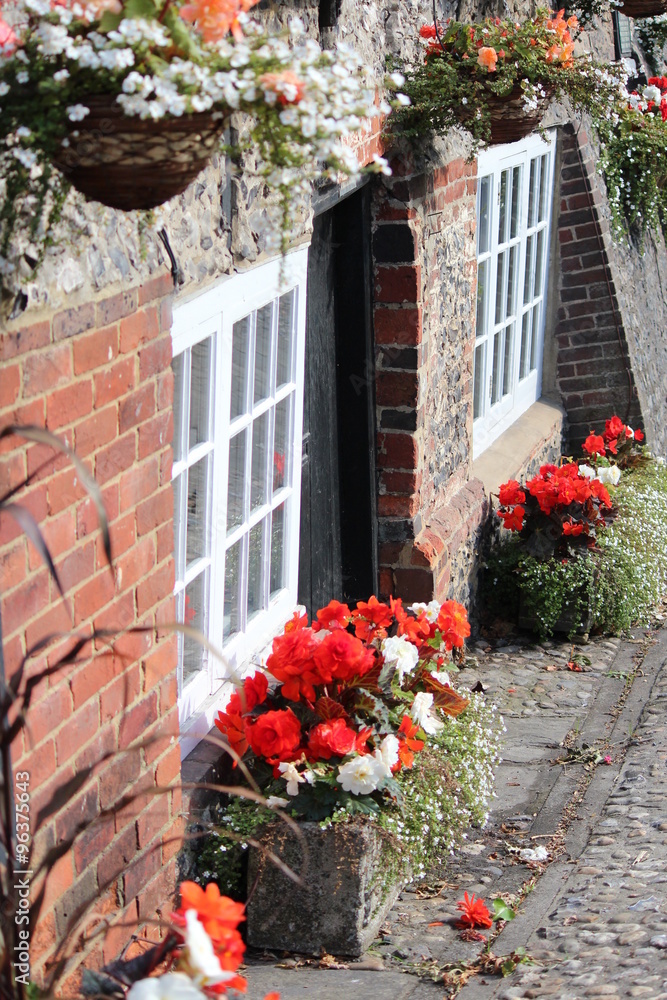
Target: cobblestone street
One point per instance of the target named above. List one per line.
(584, 777)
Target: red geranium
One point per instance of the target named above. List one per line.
(453, 624)
(513, 519)
(291, 661)
(474, 912)
(408, 745)
(371, 619)
(511, 493)
(335, 739)
(335, 615)
(594, 444)
(342, 656)
(276, 736)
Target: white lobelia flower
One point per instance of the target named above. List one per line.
(200, 958)
(293, 777)
(609, 474)
(388, 752)
(362, 775)
(422, 715)
(173, 986)
(400, 652)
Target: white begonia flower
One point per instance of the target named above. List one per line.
(609, 475)
(293, 777)
(173, 986)
(588, 471)
(432, 610)
(422, 715)
(77, 112)
(652, 93)
(400, 652)
(362, 775)
(388, 751)
(441, 676)
(200, 957)
(275, 802)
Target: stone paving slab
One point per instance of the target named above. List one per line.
(544, 705)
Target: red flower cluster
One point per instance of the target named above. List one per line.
(333, 695)
(617, 439)
(560, 502)
(474, 912)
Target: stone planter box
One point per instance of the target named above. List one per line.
(578, 625)
(349, 885)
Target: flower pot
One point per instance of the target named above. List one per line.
(128, 163)
(352, 875)
(510, 121)
(643, 8)
(568, 623)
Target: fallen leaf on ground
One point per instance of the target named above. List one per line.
(436, 923)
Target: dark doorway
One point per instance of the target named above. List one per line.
(338, 545)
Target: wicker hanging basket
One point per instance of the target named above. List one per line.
(509, 119)
(643, 8)
(128, 163)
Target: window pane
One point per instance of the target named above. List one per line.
(500, 286)
(532, 191)
(277, 549)
(231, 624)
(478, 382)
(482, 292)
(236, 485)
(263, 353)
(260, 451)
(201, 369)
(516, 202)
(483, 215)
(240, 352)
(495, 372)
(282, 473)
(508, 363)
(285, 324)
(177, 486)
(543, 187)
(255, 588)
(530, 266)
(512, 279)
(533, 339)
(538, 262)
(178, 368)
(196, 615)
(197, 534)
(502, 218)
(525, 344)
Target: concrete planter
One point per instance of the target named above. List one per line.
(568, 623)
(350, 882)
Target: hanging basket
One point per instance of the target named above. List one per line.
(643, 8)
(510, 121)
(128, 163)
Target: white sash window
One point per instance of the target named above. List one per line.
(238, 405)
(514, 198)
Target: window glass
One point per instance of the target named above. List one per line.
(240, 355)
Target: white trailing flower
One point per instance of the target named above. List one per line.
(422, 714)
(401, 653)
(77, 112)
(173, 986)
(362, 775)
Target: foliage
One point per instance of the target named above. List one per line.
(633, 158)
(467, 65)
(618, 442)
(652, 32)
(301, 102)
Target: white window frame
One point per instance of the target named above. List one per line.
(495, 417)
(213, 313)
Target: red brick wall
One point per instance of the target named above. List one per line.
(424, 292)
(98, 375)
(593, 368)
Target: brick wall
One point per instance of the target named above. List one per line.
(594, 371)
(98, 375)
(430, 514)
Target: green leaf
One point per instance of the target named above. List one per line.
(501, 911)
(181, 35)
(109, 21)
(147, 9)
